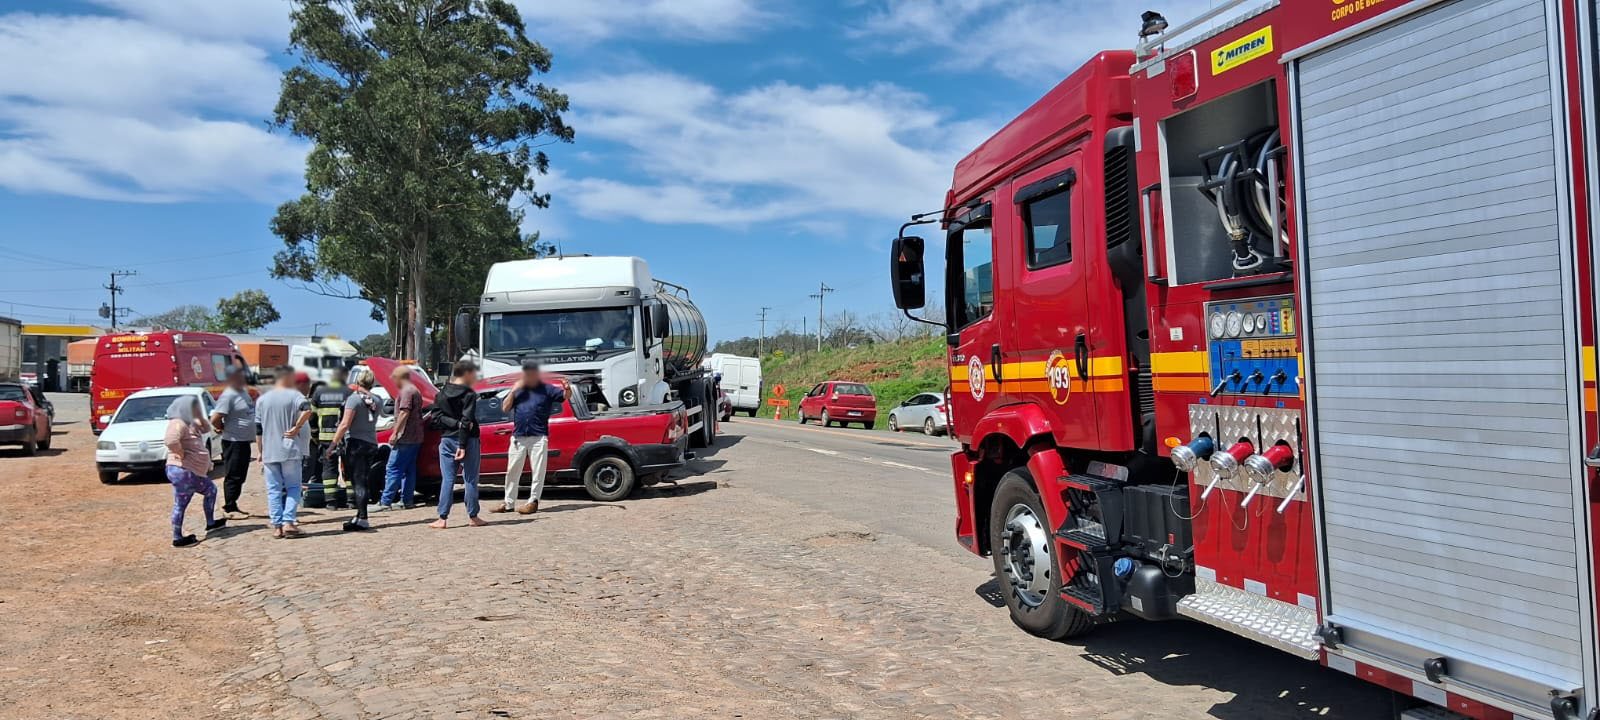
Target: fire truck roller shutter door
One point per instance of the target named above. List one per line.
(1442, 348)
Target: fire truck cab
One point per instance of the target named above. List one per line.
(1284, 322)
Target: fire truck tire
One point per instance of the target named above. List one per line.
(1019, 535)
(608, 478)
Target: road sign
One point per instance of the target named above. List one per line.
(777, 402)
(778, 390)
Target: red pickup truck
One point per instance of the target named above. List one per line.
(609, 453)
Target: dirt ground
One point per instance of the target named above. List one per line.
(99, 616)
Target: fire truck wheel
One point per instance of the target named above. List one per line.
(608, 478)
(1025, 563)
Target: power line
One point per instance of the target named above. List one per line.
(822, 291)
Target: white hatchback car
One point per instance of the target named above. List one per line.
(134, 441)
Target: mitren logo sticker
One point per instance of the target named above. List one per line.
(1059, 373)
(196, 367)
(1241, 51)
(975, 377)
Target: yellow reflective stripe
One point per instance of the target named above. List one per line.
(1179, 363)
(1586, 359)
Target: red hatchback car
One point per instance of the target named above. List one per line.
(842, 402)
(23, 419)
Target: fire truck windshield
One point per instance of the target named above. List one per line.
(557, 331)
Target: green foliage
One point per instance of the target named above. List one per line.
(182, 317)
(245, 312)
(894, 370)
(426, 119)
(376, 344)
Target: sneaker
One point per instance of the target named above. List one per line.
(218, 524)
(185, 541)
(357, 525)
(502, 509)
(528, 508)
(411, 506)
(384, 507)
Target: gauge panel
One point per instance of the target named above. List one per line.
(1250, 342)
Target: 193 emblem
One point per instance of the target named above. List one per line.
(1059, 372)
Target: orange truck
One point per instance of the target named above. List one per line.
(80, 363)
(264, 357)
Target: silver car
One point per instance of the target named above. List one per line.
(928, 412)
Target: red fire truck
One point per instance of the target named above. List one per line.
(1284, 322)
(129, 362)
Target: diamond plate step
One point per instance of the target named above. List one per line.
(1289, 628)
(1431, 712)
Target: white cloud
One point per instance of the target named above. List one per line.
(266, 20)
(774, 153)
(591, 20)
(120, 109)
(1026, 39)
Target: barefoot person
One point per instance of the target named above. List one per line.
(529, 403)
(188, 463)
(285, 443)
(456, 413)
(358, 433)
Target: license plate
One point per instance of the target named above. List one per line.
(143, 457)
(855, 412)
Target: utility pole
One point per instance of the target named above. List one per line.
(822, 291)
(316, 328)
(111, 312)
(761, 341)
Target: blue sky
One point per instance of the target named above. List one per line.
(749, 149)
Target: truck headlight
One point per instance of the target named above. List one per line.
(105, 445)
(628, 396)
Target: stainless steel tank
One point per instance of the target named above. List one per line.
(685, 345)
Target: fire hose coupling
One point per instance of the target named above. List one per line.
(1188, 457)
(1261, 467)
(1226, 463)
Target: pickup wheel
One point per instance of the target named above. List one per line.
(1025, 562)
(608, 478)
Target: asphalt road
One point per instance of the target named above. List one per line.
(896, 483)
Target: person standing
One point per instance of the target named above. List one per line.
(234, 418)
(529, 403)
(328, 403)
(400, 475)
(285, 443)
(456, 414)
(356, 440)
(311, 464)
(188, 464)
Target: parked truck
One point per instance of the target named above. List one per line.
(80, 363)
(605, 323)
(264, 358)
(1285, 323)
(10, 349)
(320, 358)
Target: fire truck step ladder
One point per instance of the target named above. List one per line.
(1274, 623)
(1431, 712)
(1085, 540)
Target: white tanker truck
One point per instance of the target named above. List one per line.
(623, 337)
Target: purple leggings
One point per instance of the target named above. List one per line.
(184, 485)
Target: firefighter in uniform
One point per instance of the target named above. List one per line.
(327, 405)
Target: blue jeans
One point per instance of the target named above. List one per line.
(447, 474)
(400, 475)
(283, 491)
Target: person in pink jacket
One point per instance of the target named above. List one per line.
(188, 464)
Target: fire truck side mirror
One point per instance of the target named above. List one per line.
(905, 272)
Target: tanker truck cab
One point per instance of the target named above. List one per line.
(619, 335)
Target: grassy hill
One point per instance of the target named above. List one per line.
(894, 371)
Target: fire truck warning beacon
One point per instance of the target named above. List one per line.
(1284, 322)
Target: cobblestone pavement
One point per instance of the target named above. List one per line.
(710, 599)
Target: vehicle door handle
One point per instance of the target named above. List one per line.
(1081, 348)
(994, 361)
(506, 431)
(1593, 458)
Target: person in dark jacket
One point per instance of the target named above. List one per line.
(455, 413)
